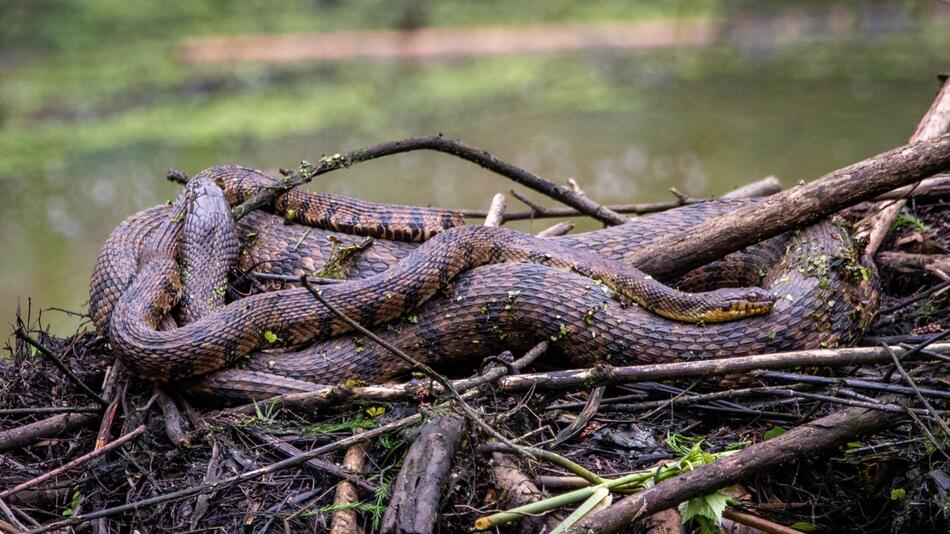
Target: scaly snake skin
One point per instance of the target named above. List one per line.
(826, 299)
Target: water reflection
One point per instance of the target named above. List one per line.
(628, 125)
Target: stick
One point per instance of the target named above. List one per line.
(50, 409)
(74, 463)
(852, 383)
(757, 523)
(19, 333)
(807, 439)
(759, 188)
(877, 224)
(25, 435)
(423, 478)
(674, 254)
(172, 418)
(484, 159)
(518, 490)
(317, 464)
(936, 186)
(496, 212)
(225, 482)
(438, 143)
(586, 377)
(576, 378)
(333, 395)
(555, 230)
(344, 519)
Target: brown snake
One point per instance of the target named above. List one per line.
(824, 301)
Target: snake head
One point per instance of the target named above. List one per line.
(738, 302)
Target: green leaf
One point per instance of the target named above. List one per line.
(774, 432)
(73, 504)
(583, 510)
(803, 526)
(898, 494)
(270, 337)
(706, 510)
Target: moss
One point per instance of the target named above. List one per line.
(342, 259)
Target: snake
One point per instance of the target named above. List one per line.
(444, 291)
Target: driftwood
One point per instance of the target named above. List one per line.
(516, 489)
(172, 419)
(876, 225)
(51, 427)
(344, 519)
(673, 255)
(417, 492)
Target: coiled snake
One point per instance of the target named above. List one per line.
(570, 290)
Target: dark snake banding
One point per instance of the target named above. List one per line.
(824, 297)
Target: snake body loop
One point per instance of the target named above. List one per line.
(550, 294)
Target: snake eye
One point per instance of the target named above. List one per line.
(759, 295)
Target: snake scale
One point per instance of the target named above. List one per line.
(464, 292)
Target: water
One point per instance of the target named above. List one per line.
(628, 125)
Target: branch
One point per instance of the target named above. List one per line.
(483, 159)
(577, 378)
(308, 172)
(74, 463)
(807, 439)
(876, 225)
(59, 363)
(225, 482)
(675, 254)
(585, 378)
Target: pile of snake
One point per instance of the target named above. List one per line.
(443, 291)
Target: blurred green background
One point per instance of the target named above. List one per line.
(98, 100)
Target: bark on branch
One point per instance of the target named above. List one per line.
(422, 481)
(810, 438)
(675, 254)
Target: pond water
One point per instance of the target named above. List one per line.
(627, 124)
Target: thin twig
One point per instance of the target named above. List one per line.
(544, 212)
(74, 463)
(19, 333)
(890, 408)
(8, 513)
(294, 279)
(850, 382)
(549, 456)
(438, 143)
(50, 409)
(920, 396)
(484, 159)
(424, 368)
(225, 482)
(316, 463)
(914, 298)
